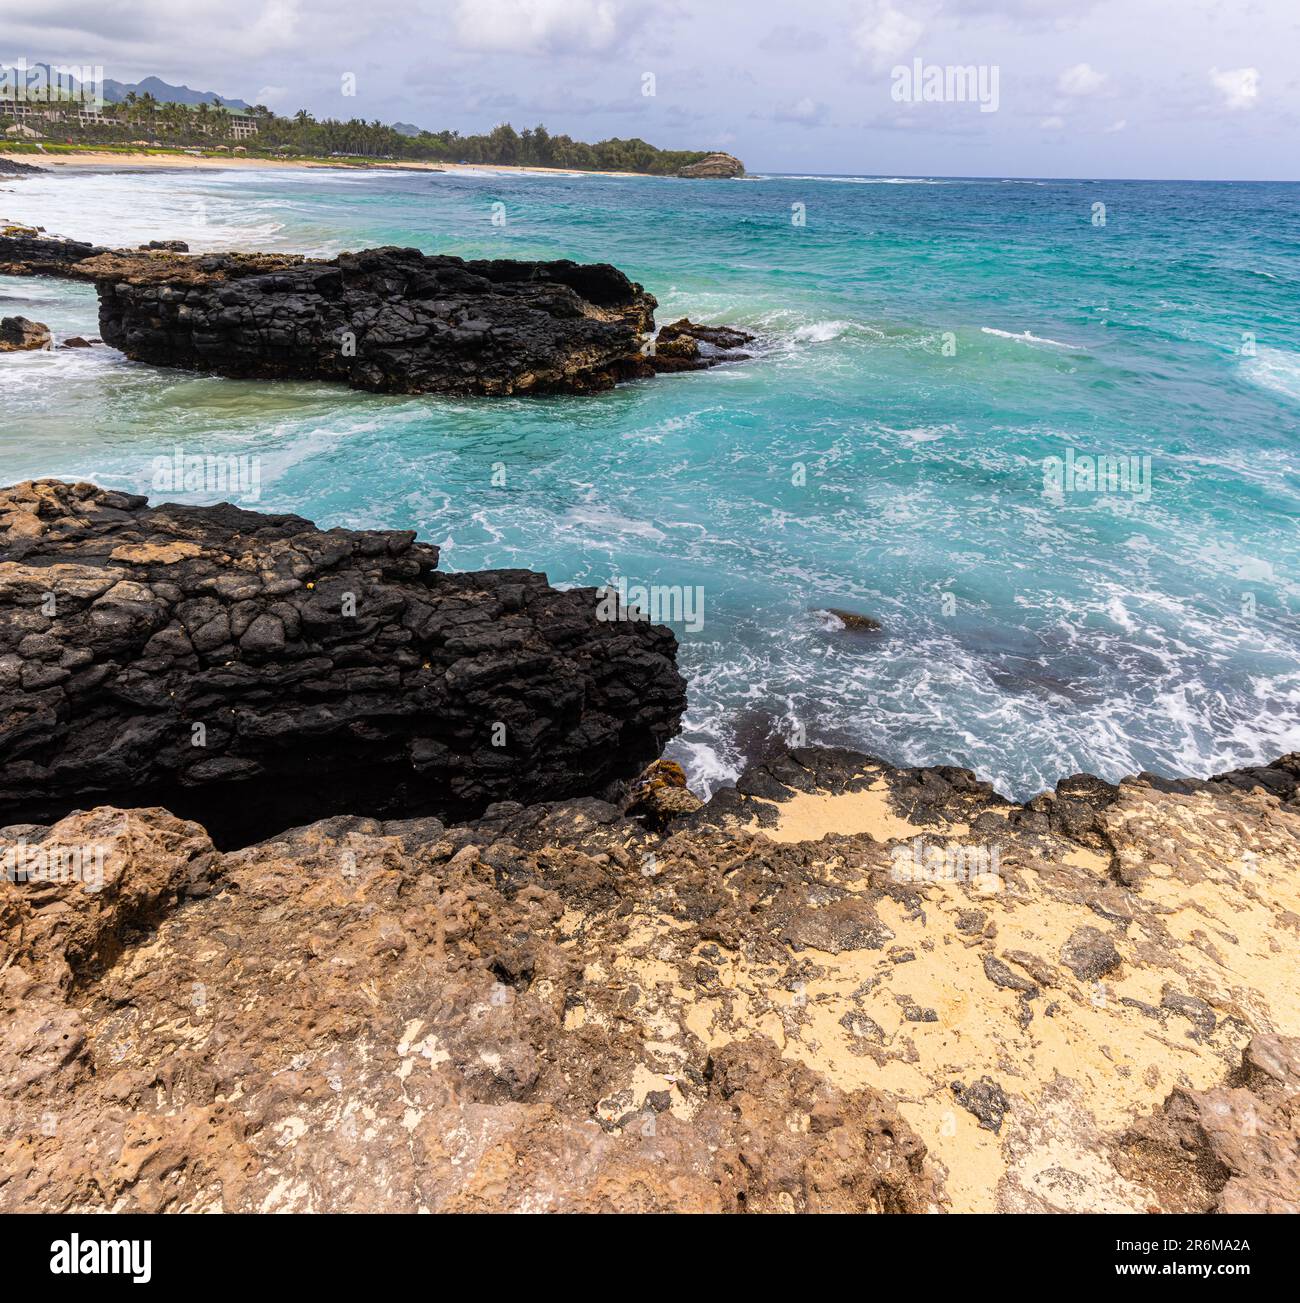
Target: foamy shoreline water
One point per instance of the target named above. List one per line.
(111, 160)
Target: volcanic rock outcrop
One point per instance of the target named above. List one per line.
(687, 346)
(28, 251)
(385, 320)
(255, 671)
(19, 335)
(719, 165)
(776, 1002)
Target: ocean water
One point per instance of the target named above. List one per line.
(927, 345)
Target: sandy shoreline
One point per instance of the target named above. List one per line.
(123, 162)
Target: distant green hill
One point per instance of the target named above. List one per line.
(115, 92)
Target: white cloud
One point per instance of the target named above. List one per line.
(807, 112)
(1082, 79)
(1239, 87)
(1052, 124)
(886, 33)
(545, 26)
(787, 39)
(1120, 124)
(110, 24)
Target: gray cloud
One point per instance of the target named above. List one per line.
(792, 90)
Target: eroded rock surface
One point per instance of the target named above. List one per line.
(564, 1007)
(19, 335)
(393, 1017)
(29, 251)
(386, 319)
(257, 671)
(719, 165)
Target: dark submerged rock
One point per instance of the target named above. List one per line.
(853, 621)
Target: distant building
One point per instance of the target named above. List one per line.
(243, 124)
(239, 124)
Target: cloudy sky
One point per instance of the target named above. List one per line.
(1116, 88)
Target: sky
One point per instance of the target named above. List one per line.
(1077, 88)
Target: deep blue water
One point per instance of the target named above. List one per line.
(1026, 634)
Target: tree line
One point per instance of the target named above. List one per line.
(186, 125)
(503, 145)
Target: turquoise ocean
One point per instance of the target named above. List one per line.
(926, 345)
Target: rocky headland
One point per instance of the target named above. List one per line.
(718, 166)
(29, 251)
(839, 986)
(387, 320)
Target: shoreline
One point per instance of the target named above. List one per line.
(935, 999)
(146, 162)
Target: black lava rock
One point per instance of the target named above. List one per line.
(254, 672)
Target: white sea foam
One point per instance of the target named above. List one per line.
(607, 523)
(821, 332)
(1275, 369)
(927, 433)
(126, 209)
(706, 768)
(866, 180)
(1026, 338)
